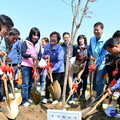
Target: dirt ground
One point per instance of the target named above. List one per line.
(39, 112)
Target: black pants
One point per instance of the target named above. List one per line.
(84, 78)
(56, 76)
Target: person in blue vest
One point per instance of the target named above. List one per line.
(97, 52)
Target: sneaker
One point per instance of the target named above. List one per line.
(16, 89)
(71, 102)
(44, 101)
(55, 102)
(26, 104)
(42, 93)
(30, 101)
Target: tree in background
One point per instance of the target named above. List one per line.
(78, 15)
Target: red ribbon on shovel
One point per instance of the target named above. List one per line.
(35, 72)
(46, 68)
(75, 86)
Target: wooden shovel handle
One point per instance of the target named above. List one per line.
(13, 90)
(35, 68)
(6, 89)
(91, 89)
(97, 104)
(51, 78)
(77, 82)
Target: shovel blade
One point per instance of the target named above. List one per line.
(85, 111)
(18, 98)
(12, 111)
(35, 96)
(55, 90)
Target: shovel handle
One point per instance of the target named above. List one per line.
(97, 104)
(35, 68)
(51, 78)
(91, 88)
(13, 90)
(77, 82)
(6, 89)
(69, 97)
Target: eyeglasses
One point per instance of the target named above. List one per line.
(7, 30)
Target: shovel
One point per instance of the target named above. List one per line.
(77, 82)
(54, 87)
(2, 116)
(92, 93)
(15, 96)
(89, 110)
(34, 93)
(10, 107)
(60, 103)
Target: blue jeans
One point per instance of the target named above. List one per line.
(43, 79)
(28, 80)
(98, 81)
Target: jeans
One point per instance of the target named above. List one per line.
(43, 79)
(28, 80)
(98, 81)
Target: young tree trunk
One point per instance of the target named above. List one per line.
(73, 34)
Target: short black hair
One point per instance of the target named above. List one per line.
(116, 34)
(99, 24)
(81, 36)
(111, 42)
(5, 20)
(33, 31)
(14, 31)
(66, 33)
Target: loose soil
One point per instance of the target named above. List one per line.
(39, 112)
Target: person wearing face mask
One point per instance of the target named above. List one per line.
(30, 50)
(5, 27)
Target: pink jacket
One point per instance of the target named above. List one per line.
(32, 50)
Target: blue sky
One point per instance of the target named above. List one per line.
(54, 15)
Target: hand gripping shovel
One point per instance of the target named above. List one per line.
(10, 107)
(34, 93)
(77, 82)
(54, 87)
(60, 103)
(89, 110)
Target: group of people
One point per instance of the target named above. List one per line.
(23, 55)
